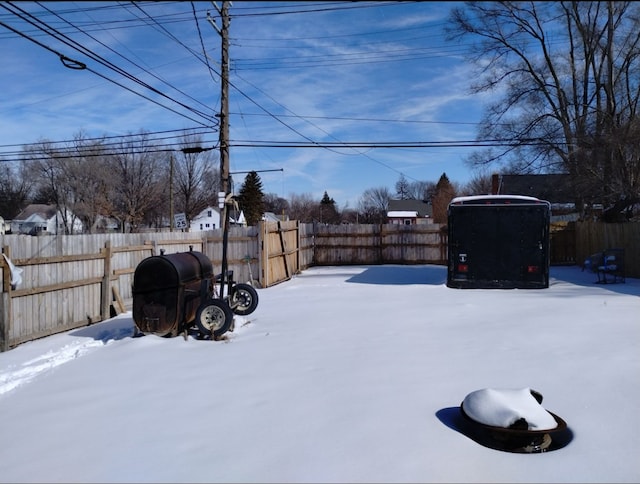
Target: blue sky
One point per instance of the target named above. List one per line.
(301, 72)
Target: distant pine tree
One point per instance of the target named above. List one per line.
(328, 212)
(251, 198)
(445, 192)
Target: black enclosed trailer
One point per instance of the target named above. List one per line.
(498, 241)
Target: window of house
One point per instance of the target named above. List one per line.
(209, 213)
(407, 221)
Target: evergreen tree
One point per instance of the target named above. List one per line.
(251, 198)
(328, 212)
(445, 192)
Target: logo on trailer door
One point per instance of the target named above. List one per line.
(462, 263)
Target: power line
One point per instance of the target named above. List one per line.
(350, 118)
(312, 8)
(390, 145)
(89, 151)
(122, 56)
(74, 45)
(183, 131)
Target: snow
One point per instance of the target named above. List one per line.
(482, 198)
(342, 374)
(502, 407)
(402, 213)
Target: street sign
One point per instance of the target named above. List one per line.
(180, 221)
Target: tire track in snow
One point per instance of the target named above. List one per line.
(18, 375)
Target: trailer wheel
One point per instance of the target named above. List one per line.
(214, 318)
(243, 299)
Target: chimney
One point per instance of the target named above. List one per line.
(495, 184)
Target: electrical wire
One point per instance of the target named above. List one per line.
(122, 56)
(74, 45)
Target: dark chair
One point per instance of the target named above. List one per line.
(608, 265)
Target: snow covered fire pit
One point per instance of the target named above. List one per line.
(512, 419)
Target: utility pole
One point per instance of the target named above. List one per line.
(224, 99)
(224, 132)
(170, 192)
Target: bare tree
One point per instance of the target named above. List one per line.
(274, 203)
(422, 190)
(403, 188)
(374, 204)
(303, 207)
(137, 175)
(480, 184)
(89, 178)
(53, 170)
(569, 77)
(16, 188)
(194, 177)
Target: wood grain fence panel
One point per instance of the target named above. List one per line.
(279, 247)
(306, 245)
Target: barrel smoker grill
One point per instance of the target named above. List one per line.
(173, 293)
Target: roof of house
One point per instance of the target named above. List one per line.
(554, 187)
(40, 209)
(274, 217)
(423, 209)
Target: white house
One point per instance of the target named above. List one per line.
(208, 219)
(41, 219)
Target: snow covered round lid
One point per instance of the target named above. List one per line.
(504, 407)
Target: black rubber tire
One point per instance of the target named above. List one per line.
(243, 299)
(214, 318)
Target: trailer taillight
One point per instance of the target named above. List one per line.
(463, 268)
(533, 269)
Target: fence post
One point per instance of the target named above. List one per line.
(105, 293)
(5, 301)
(263, 251)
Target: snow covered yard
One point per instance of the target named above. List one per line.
(342, 374)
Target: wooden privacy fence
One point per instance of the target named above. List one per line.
(379, 244)
(592, 237)
(69, 281)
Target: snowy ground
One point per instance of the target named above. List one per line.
(342, 374)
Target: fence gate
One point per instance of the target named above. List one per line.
(279, 243)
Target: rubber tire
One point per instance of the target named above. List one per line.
(214, 318)
(243, 299)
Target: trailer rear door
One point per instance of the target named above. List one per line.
(498, 243)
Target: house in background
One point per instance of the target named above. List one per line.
(210, 219)
(409, 212)
(41, 219)
(272, 217)
(555, 188)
